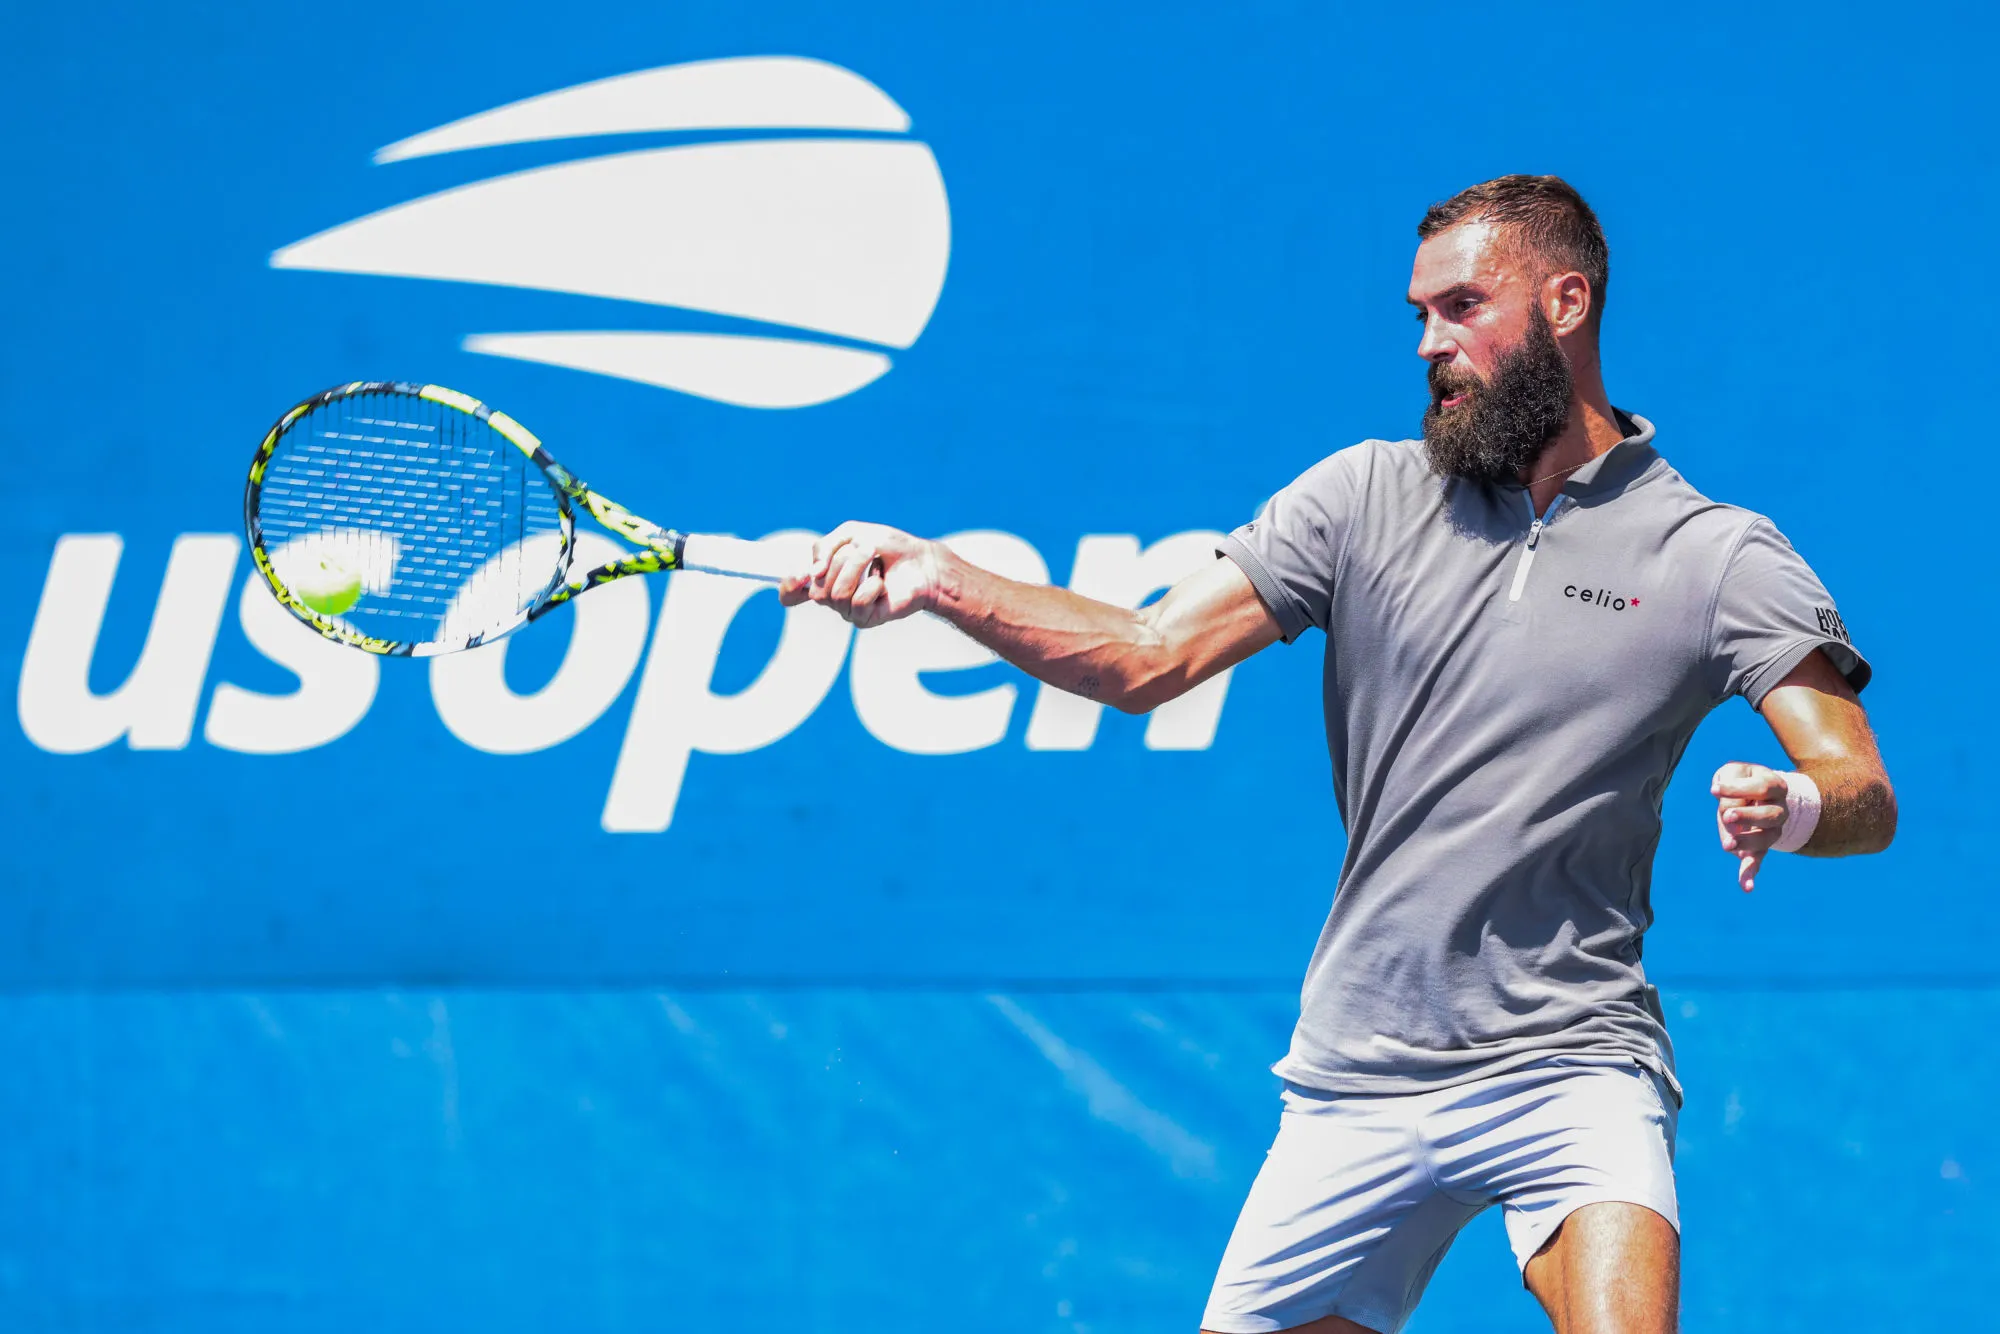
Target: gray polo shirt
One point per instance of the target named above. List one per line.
(1506, 697)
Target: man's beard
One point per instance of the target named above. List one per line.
(1504, 424)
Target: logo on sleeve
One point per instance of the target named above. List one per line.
(1831, 625)
(1599, 597)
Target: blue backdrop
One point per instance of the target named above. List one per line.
(909, 1004)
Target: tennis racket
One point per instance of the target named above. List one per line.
(412, 520)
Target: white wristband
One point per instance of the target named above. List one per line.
(1801, 813)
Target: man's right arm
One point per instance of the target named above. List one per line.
(1131, 660)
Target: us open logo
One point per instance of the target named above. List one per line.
(831, 251)
(822, 258)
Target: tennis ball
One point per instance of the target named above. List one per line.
(325, 585)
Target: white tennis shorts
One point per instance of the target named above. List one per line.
(1362, 1194)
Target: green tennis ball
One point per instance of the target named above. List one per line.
(326, 585)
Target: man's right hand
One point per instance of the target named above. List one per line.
(870, 574)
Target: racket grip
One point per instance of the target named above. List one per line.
(711, 553)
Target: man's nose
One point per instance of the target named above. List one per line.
(1436, 345)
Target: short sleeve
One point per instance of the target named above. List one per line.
(1770, 612)
(1290, 548)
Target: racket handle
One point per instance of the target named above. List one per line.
(714, 554)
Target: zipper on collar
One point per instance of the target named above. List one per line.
(1535, 527)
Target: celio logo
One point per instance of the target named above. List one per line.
(1598, 597)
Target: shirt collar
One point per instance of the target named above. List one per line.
(1621, 463)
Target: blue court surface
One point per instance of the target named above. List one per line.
(830, 1160)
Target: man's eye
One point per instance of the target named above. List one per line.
(1422, 316)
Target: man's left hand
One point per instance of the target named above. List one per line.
(1749, 815)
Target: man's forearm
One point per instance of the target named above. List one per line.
(1134, 660)
(1857, 808)
(1072, 642)
(1825, 732)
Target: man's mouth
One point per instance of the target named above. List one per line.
(1451, 401)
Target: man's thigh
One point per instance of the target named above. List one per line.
(1550, 1140)
(1344, 1221)
(1582, 1159)
(1611, 1268)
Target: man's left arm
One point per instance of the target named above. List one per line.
(1823, 728)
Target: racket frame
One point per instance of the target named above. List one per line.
(662, 548)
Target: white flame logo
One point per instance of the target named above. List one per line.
(832, 236)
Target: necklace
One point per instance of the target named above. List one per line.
(1563, 472)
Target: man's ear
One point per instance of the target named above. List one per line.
(1567, 301)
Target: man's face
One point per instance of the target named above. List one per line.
(1500, 385)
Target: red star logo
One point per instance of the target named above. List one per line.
(1635, 602)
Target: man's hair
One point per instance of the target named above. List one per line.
(1546, 214)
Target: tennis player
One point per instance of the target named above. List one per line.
(1527, 612)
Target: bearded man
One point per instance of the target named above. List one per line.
(1527, 612)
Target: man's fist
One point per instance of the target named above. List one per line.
(869, 574)
(1749, 815)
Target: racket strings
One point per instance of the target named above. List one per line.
(452, 530)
